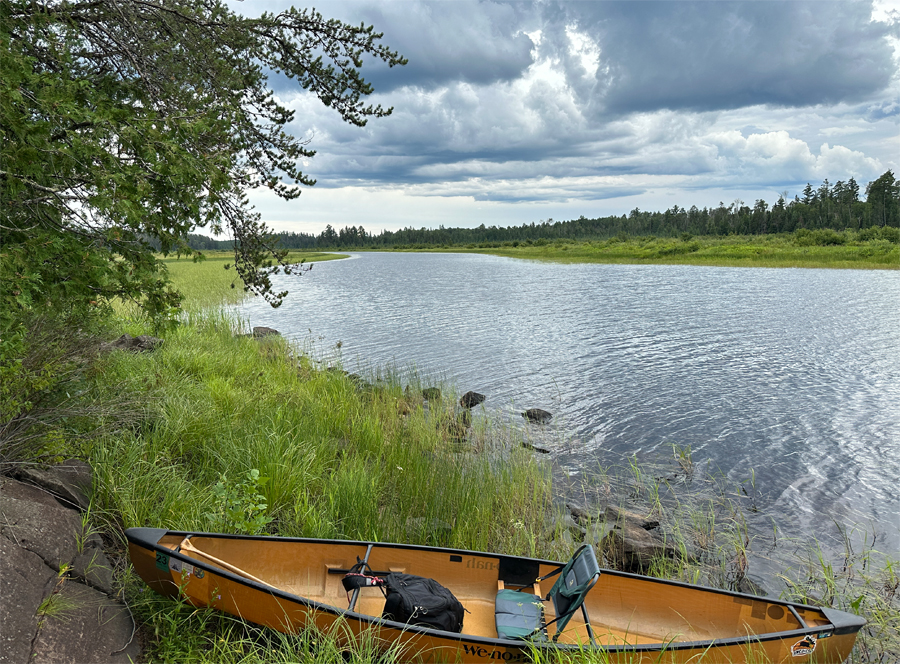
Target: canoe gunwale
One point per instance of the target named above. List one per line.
(840, 621)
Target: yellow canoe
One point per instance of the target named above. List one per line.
(289, 584)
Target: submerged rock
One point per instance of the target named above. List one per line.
(535, 448)
(537, 415)
(471, 399)
(431, 393)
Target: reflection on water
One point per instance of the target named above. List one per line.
(793, 375)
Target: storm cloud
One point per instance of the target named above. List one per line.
(705, 56)
(604, 105)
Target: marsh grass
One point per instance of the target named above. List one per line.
(856, 251)
(206, 283)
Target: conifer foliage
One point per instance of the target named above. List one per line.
(127, 124)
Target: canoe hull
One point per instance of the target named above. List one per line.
(168, 571)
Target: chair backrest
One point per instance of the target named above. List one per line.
(575, 581)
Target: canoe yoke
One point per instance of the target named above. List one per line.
(520, 615)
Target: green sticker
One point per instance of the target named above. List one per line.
(162, 561)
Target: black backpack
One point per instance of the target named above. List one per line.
(415, 600)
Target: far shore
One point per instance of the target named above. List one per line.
(732, 251)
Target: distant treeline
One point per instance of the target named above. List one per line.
(835, 206)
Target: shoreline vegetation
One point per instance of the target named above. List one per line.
(218, 285)
(829, 226)
(217, 430)
(810, 249)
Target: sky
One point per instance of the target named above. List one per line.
(518, 112)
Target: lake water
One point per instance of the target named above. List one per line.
(789, 377)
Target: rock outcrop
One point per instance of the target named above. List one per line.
(141, 344)
(471, 399)
(57, 600)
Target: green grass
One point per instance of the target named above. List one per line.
(338, 459)
(206, 284)
(785, 250)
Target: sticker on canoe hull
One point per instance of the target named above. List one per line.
(178, 566)
(805, 646)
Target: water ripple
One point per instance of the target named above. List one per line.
(791, 374)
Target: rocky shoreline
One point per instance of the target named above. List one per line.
(58, 601)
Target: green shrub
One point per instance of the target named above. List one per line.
(241, 508)
(822, 237)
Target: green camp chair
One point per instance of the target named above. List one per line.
(520, 615)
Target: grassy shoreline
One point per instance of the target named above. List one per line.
(214, 419)
(206, 283)
(868, 250)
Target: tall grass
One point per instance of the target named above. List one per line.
(340, 461)
(206, 283)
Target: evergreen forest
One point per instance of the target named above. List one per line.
(838, 206)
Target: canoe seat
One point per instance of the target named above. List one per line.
(520, 615)
(574, 583)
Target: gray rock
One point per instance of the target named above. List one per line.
(535, 448)
(85, 626)
(35, 521)
(537, 415)
(24, 582)
(750, 587)
(259, 332)
(564, 523)
(620, 515)
(141, 344)
(70, 481)
(580, 514)
(93, 568)
(45, 616)
(633, 549)
(431, 393)
(597, 532)
(471, 399)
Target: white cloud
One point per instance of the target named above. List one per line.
(841, 131)
(512, 112)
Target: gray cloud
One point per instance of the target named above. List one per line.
(726, 55)
(564, 101)
(468, 41)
